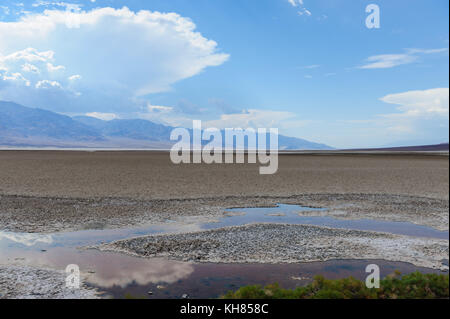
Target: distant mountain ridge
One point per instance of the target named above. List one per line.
(20, 121)
(134, 129)
(22, 126)
(442, 147)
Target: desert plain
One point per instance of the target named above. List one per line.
(57, 192)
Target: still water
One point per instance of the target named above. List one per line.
(120, 275)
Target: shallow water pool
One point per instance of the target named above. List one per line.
(120, 275)
(289, 214)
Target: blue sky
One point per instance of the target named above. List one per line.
(310, 68)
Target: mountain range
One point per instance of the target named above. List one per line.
(22, 126)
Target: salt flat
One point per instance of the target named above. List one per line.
(51, 191)
(66, 191)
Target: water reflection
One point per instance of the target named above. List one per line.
(119, 273)
(87, 237)
(214, 280)
(294, 214)
(103, 269)
(26, 239)
(124, 270)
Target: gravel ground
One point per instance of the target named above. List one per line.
(23, 282)
(275, 243)
(151, 175)
(49, 215)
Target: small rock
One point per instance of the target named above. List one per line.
(185, 296)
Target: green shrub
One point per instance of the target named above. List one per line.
(412, 286)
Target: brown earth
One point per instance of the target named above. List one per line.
(151, 175)
(52, 191)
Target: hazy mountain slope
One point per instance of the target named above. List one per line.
(133, 129)
(91, 121)
(443, 147)
(23, 126)
(137, 129)
(22, 122)
(293, 143)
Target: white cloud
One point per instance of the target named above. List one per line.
(421, 118)
(384, 61)
(5, 10)
(304, 11)
(27, 67)
(31, 61)
(427, 51)
(121, 55)
(296, 3)
(28, 55)
(313, 66)
(159, 108)
(15, 78)
(420, 103)
(102, 116)
(67, 6)
(301, 8)
(53, 68)
(29, 77)
(253, 118)
(47, 84)
(75, 77)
